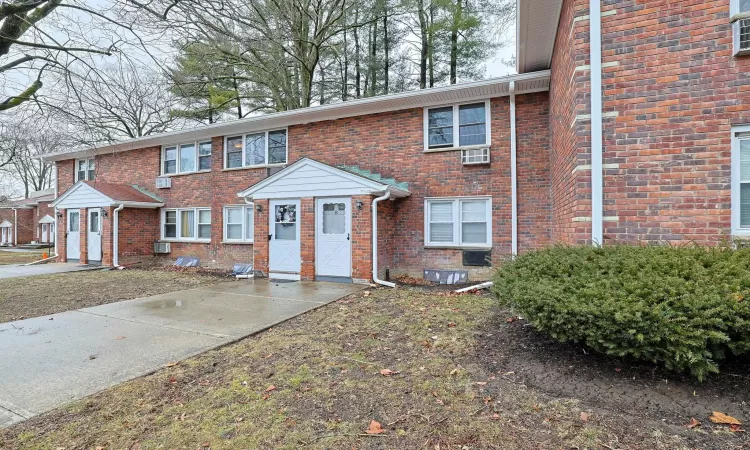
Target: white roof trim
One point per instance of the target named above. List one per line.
(47, 219)
(536, 30)
(367, 186)
(478, 90)
(103, 199)
(6, 224)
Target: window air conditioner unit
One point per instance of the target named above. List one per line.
(475, 156)
(741, 36)
(162, 247)
(163, 182)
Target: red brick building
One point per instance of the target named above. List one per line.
(30, 220)
(629, 121)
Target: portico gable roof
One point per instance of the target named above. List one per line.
(88, 194)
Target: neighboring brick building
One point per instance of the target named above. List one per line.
(628, 121)
(30, 220)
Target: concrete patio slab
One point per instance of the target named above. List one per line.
(48, 361)
(17, 270)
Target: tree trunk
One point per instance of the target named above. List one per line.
(236, 87)
(424, 47)
(345, 74)
(386, 62)
(431, 44)
(374, 60)
(457, 13)
(357, 49)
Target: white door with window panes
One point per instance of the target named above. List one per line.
(44, 237)
(284, 260)
(333, 243)
(73, 235)
(94, 235)
(5, 235)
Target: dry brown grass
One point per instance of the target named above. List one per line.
(325, 368)
(7, 257)
(26, 297)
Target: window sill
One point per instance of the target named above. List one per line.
(455, 149)
(238, 242)
(459, 247)
(186, 241)
(264, 166)
(182, 174)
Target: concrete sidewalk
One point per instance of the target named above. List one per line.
(18, 270)
(48, 361)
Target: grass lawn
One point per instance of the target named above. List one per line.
(26, 297)
(7, 257)
(316, 382)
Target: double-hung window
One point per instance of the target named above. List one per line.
(238, 223)
(186, 224)
(457, 126)
(741, 181)
(85, 169)
(186, 158)
(256, 149)
(740, 16)
(458, 222)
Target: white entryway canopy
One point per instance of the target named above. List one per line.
(6, 224)
(47, 219)
(89, 194)
(310, 178)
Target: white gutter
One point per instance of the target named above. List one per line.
(513, 173)
(116, 235)
(597, 175)
(54, 173)
(375, 240)
(15, 227)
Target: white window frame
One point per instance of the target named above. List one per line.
(177, 238)
(457, 222)
(737, 230)
(734, 10)
(179, 171)
(244, 149)
(90, 165)
(456, 127)
(244, 209)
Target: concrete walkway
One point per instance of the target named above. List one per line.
(17, 270)
(48, 361)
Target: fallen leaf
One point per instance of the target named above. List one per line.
(375, 428)
(172, 380)
(366, 294)
(206, 445)
(93, 356)
(451, 324)
(736, 429)
(100, 447)
(481, 383)
(719, 417)
(693, 423)
(584, 417)
(510, 319)
(268, 355)
(270, 388)
(496, 416)
(456, 371)
(388, 372)
(171, 364)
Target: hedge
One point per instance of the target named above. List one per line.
(685, 308)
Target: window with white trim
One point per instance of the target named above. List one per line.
(85, 169)
(458, 222)
(186, 224)
(457, 126)
(739, 12)
(186, 158)
(741, 181)
(256, 149)
(238, 223)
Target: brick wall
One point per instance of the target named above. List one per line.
(389, 143)
(25, 223)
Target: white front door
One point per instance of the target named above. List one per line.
(43, 237)
(73, 234)
(94, 237)
(4, 235)
(333, 237)
(284, 260)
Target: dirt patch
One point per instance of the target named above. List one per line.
(316, 381)
(25, 297)
(7, 257)
(642, 393)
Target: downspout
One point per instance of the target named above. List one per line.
(513, 172)
(597, 175)
(54, 173)
(116, 235)
(15, 227)
(375, 240)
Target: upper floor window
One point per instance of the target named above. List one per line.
(85, 169)
(457, 126)
(458, 222)
(256, 149)
(186, 158)
(740, 15)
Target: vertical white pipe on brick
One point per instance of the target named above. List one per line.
(513, 172)
(597, 175)
(54, 177)
(15, 227)
(116, 235)
(375, 277)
